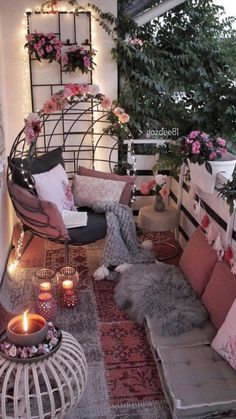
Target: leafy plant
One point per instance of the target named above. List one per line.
(228, 193)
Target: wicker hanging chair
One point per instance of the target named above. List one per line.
(80, 134)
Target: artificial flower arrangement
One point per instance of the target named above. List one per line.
(78, 57)
(199, 147)
(44, 46)
(51, 341)
(157, 186)
(61, 100)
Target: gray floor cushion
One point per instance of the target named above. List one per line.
(196, 336)
(199, 382)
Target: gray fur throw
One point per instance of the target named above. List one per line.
(121, 245)
(160, 292)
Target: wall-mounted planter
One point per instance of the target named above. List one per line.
(206, 181)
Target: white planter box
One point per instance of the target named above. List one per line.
(204, 180)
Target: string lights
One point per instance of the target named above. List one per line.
(19, 249)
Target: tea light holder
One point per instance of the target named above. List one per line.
(46, 305)
(45, 280)
(27, 330)
(68, 278)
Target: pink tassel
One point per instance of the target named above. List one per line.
(233, 269)
(211, 233)
(197, 207)
(218, 246)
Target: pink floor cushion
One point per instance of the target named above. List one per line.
(197, 261)
(129, 180)
(225, 341)
(220, 293)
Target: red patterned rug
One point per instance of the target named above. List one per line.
(123, 379)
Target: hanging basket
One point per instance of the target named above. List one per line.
(206, 181)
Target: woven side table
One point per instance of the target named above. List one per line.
(150, 220)
(46, 389)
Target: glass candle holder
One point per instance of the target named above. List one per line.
(45, 280)
(46, 306)
(68, 277)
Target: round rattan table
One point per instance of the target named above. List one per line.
(44, 389)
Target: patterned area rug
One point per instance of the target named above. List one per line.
(123, 381)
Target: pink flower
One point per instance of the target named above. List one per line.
(83, 89)
(106, 102)
(29, 37)
(164, 192)
(193, 134)
(50, 106)
(49, 48)
(196, 147)
(12, 351)
(86, 61)
(71, 89)
(65, 59)
(212, 155)
(160, 179)
(144, 188)
(124, 118)
(32, 128)
(222, 142)
(118, 111)
(41, 53)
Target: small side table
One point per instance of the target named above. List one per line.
(49, 388)
(150, 220)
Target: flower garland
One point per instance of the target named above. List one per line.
(224, 251)
(78, 57)
(65, 97)
(51, 341)
(44, 46)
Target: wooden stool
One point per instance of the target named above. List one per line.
(150, 220)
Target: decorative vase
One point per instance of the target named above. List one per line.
(206, 181)
(159, 204)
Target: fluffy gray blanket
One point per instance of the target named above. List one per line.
(161, 292)
(122, 245)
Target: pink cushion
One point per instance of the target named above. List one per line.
(125, 196)
(41, 216)
(87, 190)
(225, 341)
(197, 261)
(220, 293)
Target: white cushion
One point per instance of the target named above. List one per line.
(88, 190)
(225, 340)
(54, 186)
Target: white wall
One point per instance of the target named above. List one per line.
(15, 86)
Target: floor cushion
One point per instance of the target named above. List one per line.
(220, 293)
(196, 336)
(197, 261)
(199, 382)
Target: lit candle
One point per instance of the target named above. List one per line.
(67, 284)
(45, 286)
(27, 329)
(45, 296)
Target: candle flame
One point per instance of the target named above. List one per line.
(25, 321)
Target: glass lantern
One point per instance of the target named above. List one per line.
(68, 280)
(45, 291)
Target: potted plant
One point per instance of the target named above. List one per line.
(206, 157)
(156, 187)
(77, 57)
(44, 46)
